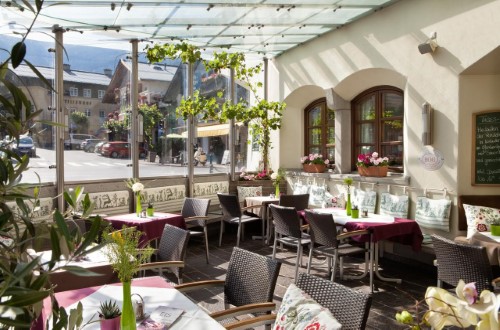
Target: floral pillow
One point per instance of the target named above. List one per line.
(317, 195)
(365, 200)
(244, 192)
(300, 312)
(433, 213)
(393, 205)
(479, 218)
(299, 188)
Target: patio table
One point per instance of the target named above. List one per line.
(403, 231)
(263, 211)
(154, 290)
(151, 227)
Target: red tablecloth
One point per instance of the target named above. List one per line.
(67, 298)
(152, 227)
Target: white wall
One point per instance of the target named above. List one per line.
(382, 49)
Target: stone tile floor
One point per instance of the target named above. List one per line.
(388, 297)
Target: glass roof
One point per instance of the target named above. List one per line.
(260, 27)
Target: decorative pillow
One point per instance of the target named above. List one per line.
(338, 201)
(365, 200)
(244, 192)
(327, 200)
(433, 213)
(393, 205)
(317, 195)
(299, 311)
(299, 188)
(479, 218)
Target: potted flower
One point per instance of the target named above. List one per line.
(150, 210)
(277, 177)
(109, 315)
(371, 164)
(314, 163)
(348, 182)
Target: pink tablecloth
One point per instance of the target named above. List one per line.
(152, 227)
(67, 298)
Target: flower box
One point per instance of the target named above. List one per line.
(314, 168)
(377, 171)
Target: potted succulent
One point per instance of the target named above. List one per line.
(150, 210)
(109, 315)
(354, 212)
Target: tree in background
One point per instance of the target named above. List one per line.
(81, 121)
(151, 116)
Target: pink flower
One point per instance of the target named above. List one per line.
(375, 154)
(327, 161)
(470, 293)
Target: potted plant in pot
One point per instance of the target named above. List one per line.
(314, 163)
(371, 164)
(109, 315)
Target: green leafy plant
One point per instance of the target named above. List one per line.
(109, 310)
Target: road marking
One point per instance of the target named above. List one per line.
(107, 164)
(74, 164)
(91, 164)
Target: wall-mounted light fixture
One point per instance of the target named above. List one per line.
(429, 46)
(426, 124)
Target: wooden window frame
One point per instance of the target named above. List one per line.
(324, 127)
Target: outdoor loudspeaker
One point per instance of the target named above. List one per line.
(429, 46)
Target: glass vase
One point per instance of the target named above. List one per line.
(138, 205)
(348, 205)
(127, 321)
(277, 191)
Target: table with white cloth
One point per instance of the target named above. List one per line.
(381, 227)
(154, 290)
(263, 211)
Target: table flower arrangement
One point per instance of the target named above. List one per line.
(277, 177)
(125, 257)
(137, 187)
(371, 164)
(314, 163)
(348, 182)
(465, 309)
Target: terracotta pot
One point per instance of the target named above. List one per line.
(110, 324)
(377, 171)
(314, 168)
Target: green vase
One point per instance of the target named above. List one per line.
(348, 204)
(277, 192)
(138, 205)
(128, 315)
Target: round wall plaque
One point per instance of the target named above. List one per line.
(431, 160)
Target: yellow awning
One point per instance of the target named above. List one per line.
(212, 130)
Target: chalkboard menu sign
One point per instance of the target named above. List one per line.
(486, 144)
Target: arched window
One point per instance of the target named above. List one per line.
(377, 117)
(320, 130)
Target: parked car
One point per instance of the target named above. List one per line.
(98, 146)
(89, 144)
(117, 149)
(24, 147)
(75, 140)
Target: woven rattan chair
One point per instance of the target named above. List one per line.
(195, 214)
(249, 285)
(465, 262)
(288, 231)
(350, 307)
(300, 202)
(171, 252)
(233, 213)
(326, 241)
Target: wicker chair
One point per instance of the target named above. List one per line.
(232, 213)
(171, 252)
(300, 202)
(288, 231)
(465, 262)
(350, 307)
(249, 285)
(195, 213)
(326, 241)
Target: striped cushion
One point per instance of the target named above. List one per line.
(433, 213)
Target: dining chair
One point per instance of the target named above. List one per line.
(327, 241)
(249, 285)
(171, 252)
(233, 213)
(456, 261)
(288, 231)
(195, 214)
(348, 306)
(300, 201)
